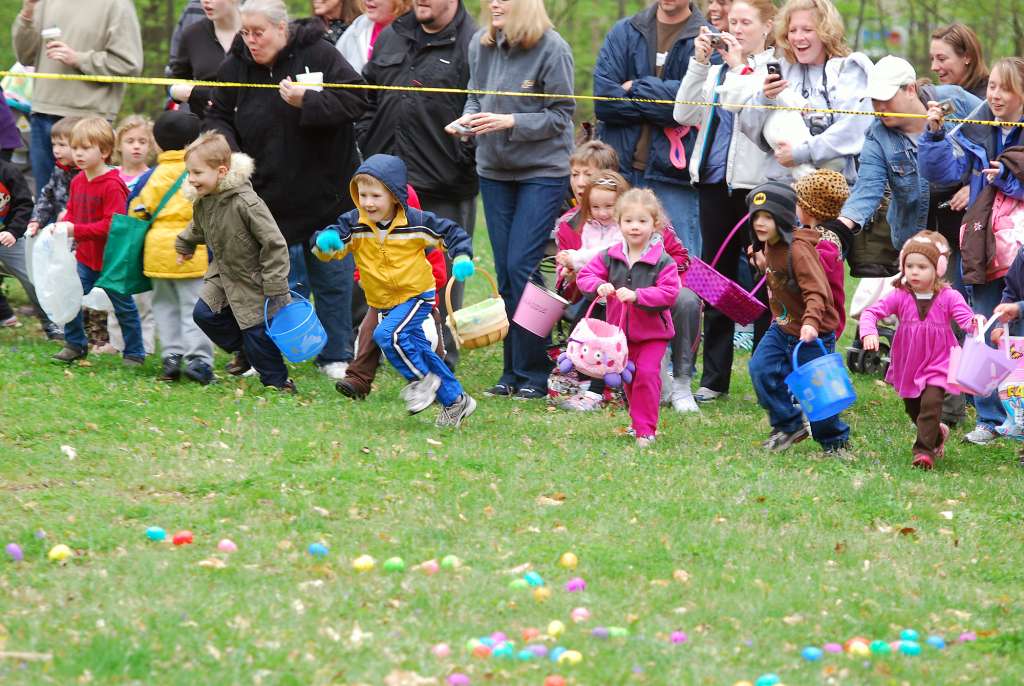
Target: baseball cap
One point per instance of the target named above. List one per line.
(888, 76)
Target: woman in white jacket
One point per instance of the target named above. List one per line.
(725, 163)
(356, 44)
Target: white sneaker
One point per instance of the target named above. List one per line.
(454, 414)
(334, 370)
(666, 382)
(682, 397)
(982, 435)
(419, 395)
(251, 371)
(706, 395)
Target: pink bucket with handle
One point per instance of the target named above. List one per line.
(982, 367)
(539, 308)
(725, 295)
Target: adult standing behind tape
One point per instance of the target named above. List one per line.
(970, 156)
(303, 143)
(957, 58)
(428, 47)
(522, 159)
(725, 163)
(202, 49)
(358, 42)
(818, 71)
(95, 37)
(653, 150)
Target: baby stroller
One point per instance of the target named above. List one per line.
(870, 291)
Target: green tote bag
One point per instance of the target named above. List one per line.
(122, 258)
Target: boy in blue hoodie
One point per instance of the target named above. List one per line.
(387, 239)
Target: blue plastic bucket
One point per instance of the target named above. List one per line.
(295, 329)
(822, 386)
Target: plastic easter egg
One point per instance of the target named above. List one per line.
(743, 683)
(833, 648)
(503, 650)
(458, 679)
(895, 646)
(568, 560)
(579, 614)
(525, 655)
(517, 584)
(967, 637)
(570, 657)
(880, 648)
(554, 680)
(441, 651)
(539, 649)
(556, 653)
(575, 585)
(618, 631)
(155, 533)
(394, 564)
(40, 534)
(183, 537)
(530, 633)
(599, 632)
(909, 635)
(541, 594)
(848, 646)
(450, 562)
(499, 637)
(226, 545)
(860, 649)
(481, 651)
(430, 567)
(812, 653)
(59, 553)
(936, 642)
(555, 628)
(13, 551)
(910, 647)
(533, 579)
(363, 563)
(678, 637)
(488, 641)
(767, 680)
(317, 550)
(472, 643)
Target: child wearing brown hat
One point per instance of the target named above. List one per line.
(819, 199)
(926, 306)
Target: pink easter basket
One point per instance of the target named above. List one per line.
(725, 295)
(598, 349)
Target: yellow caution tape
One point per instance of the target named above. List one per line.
(163, 81)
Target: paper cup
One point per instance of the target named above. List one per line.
(311, 77)
(50, 34)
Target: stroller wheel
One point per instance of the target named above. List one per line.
(855, 360)
(872, 363)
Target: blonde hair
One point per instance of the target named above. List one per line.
(594, 153)
(829, 27)
(133, 121)
(94, 131)
(645, 198)
(965, 44)
(606, 180)
(211, 148)
(401, 7)
(1011, 74)
(525, 24)
(63, 127)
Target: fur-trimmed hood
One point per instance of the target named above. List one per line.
(239, 174)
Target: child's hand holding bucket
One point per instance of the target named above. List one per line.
(808, 333)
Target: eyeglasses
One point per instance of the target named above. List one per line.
(254, 35)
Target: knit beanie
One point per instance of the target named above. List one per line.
(822, 193)
(779, 200)
(930, 244)
(175, 130)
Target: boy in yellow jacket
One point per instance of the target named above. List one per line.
(387, 239)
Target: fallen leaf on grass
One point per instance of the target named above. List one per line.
(519, 569)
(435, 443)
(552, 500)
(213, 563)
(357, 636)
(322, 511)
(946, 515)
(682, 576)
(400, 678)
(25, 657)
(793, 620)
(69, 451)
(908, 531)
(840, 547)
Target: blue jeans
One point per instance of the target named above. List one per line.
(682, 205)
(520, 215)
(41, 147)
(771, 362)
(984, 299)
(124, 308)
(222, 328)
(400, 335)
(298, 277)
(331, 283)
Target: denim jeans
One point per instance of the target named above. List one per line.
(298, 277)
(124, 308)
(520, 215)
(222, 328)
(682, 205)
(984, 299)
(771, 362)
(41, 150)
(331, 283)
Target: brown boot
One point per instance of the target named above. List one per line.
(350, 389)
(70, 353)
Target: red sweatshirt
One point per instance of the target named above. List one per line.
(91, 204)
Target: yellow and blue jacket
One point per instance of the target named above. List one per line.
(391, 266)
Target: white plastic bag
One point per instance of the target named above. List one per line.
(55, 275)
(97, 299)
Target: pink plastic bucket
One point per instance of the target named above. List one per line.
(982, 368)
(539, 309)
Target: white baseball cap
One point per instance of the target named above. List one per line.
(888, 76)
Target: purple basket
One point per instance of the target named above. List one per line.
(724, 295)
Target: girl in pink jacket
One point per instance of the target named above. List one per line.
(641, 282)
(925, 305)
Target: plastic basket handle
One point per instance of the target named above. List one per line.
(597, 298)
(728, 238)
(266, 302)
(448, 295)
(984, 326)
(797, 349)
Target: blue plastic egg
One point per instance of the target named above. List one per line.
(317, 550)
(503, 650)
(909, 635)
(767, 680)
(534, 579)
(936, 642)
(155, 533)
(556, 653)
(488, 641)
(525, 655)
(910, 647)
(811, 653)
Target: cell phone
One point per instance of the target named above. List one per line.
(774, 68)
(947, 107)
(459, 128)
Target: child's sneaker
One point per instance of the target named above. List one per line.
(644, 441)
(350, 390)
(922, 461)
(840, 451)
(199, 371)
(238, 366)
(453, 414)
(584, 402)
(682, 397)
(780, 440)
(10, 323)
(419, 395)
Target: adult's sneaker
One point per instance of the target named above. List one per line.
(982, 435)
(170, 368)
(453, 415)
(419, 395)
(199, 371)
(334, 370)
(527, 393)
(780, 440)
(706, 395)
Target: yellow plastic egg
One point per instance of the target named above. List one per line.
(556, 628)
(59, 553)
(541, 593)
(572, 657)
(363, 563)
(860, 649)
(743, 683)
(568, 560)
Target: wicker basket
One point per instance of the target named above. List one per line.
(479, 325)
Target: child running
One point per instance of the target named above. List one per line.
(387, 239)
(637, 273)
(925, 306)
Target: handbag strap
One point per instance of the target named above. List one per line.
(167, 197)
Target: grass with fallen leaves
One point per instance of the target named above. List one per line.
(754, 556)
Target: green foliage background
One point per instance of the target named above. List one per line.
(584, 24)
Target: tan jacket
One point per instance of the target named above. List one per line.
(106, 35)
(250, 257)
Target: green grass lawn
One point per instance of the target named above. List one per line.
(754, 556)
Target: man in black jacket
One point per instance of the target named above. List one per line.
(425, 47)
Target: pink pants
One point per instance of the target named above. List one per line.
(644, 393)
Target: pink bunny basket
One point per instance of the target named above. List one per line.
(598, 349)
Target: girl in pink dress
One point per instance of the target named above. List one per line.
(925, 305)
